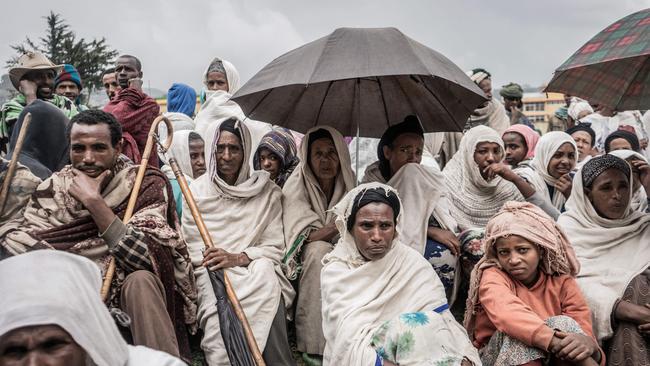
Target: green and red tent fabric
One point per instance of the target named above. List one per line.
(613, 68)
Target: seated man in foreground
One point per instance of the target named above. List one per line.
(79, 210)
(243, 214)
(54, 316)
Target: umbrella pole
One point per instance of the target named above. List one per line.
(207, 240)
(357, 117)
(110, 272)
(11, 170)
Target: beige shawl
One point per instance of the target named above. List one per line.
(304, 205)
(537, 173)
(22, 186)
(359, 295)
(473, 200)
(243, 218)
(611, 253)
(422, 192)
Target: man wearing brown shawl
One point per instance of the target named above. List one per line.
(79, 210)
(134, 109)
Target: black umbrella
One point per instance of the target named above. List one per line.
(365, 78)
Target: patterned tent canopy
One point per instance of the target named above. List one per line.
(613, 68)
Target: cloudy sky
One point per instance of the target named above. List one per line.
(522, 41)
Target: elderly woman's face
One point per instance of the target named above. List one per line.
(323, 159)
(47, 345)
(610, 194)
(374, 230)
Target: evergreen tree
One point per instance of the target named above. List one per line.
(61, 46)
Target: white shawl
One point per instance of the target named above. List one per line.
(180, 151)
(232, 75)
(304, 205)
(640, 197)
(472, 199)
(492, 115)
(537, 174)
(422, 192)
(180, 122)
(359, 295)
(245, 217)
(63, 289)
(611, 252)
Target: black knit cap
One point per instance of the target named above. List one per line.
(622, 134)
(586, 127)
(596, 166)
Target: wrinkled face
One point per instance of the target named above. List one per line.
(516, 149)
(217, 81)
(610, 194)
(44, 80)
(374, 230)
(407, 148)
(111, 87)
(519, 258)
(68, 89)
(583, 141)
(270, 162)
(619, 144)
(229, 155)
(510, 103)
(91, 150)
(197, 157)
(487, 153)
(126, 69)
(563, 161)
(486, 86)
(42, 345)
(323, 159)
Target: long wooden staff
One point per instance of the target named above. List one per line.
(4, 193)
(207, 240)
(106, 285)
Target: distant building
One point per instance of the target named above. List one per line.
(540, 107)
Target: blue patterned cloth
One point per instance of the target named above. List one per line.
(443, 262)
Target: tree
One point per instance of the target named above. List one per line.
(61, 46)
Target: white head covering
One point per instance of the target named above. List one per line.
(474, 200)
(578, 106)
(539, 176)
(611, 252)
(54, 287)
(180, 151)
(232, 75)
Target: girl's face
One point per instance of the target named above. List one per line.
(485, 154)
(516, 148)
(519, 258)
(563, 161)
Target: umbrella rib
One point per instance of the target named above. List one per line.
(320, 108)
(258, 103)
(439, 102)
(383, 101)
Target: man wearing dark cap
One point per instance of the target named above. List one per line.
(512, 95)
(33, 77)
(429, 228)
(68, 84)
(585, 138)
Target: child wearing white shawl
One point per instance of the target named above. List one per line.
(369, 304)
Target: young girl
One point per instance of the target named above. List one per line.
(524, 306)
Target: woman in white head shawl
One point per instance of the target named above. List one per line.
(556, 154)
(369, 303)
(473, 199)
(244, 219)
(640, 196)
(610, 240)
(579, 109)
(50, 287)
(218, 107)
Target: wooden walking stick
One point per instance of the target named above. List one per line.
(207, 240)
(110, 272)
(11, 170)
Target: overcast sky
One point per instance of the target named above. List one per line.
(521, 41)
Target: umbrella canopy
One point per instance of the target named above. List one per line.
(361, 77)
(613, 68)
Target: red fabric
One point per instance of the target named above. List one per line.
(136, 112)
